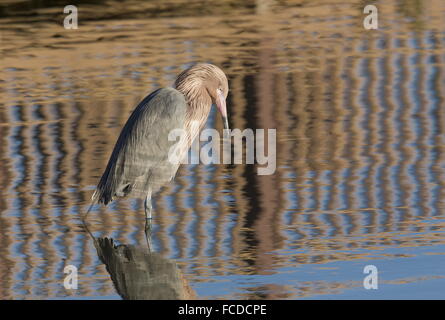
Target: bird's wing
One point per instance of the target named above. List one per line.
(143, 145)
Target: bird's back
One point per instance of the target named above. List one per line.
(139, 161)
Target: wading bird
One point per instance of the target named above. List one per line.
(139, 164)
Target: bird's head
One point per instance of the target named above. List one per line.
(205, 80)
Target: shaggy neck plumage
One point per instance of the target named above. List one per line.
(198, 101)
(198, 109)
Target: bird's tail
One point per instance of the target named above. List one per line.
(93, 202)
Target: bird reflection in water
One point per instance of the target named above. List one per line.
(140, 274)
(140, 165)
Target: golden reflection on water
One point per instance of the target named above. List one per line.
(360, 138)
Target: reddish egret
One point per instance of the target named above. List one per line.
(139, 164)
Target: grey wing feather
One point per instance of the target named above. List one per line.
(139, 160)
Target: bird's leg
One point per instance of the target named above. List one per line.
(148, 208)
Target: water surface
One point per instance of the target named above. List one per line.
(360, 121)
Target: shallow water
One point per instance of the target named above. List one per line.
(359, 114)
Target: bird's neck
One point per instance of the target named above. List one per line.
(199, 104)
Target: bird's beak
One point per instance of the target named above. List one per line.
(221, 104)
